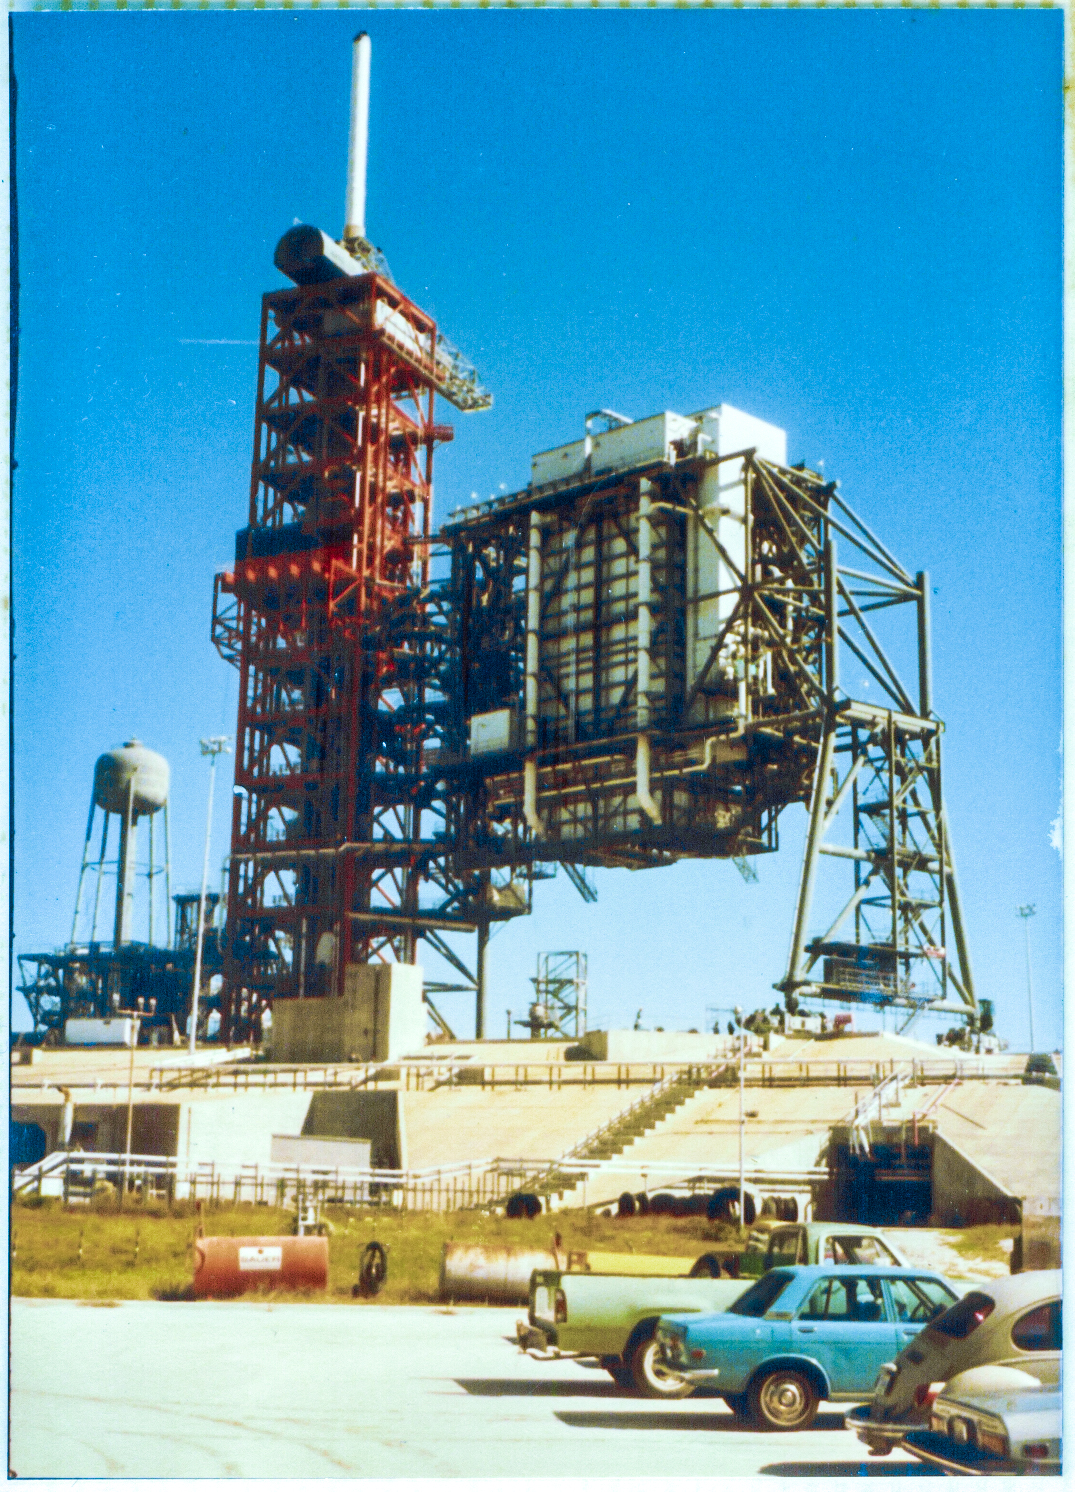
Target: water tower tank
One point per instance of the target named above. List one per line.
(131, 763)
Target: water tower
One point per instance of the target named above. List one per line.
(129, 784)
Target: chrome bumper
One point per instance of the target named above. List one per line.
(877, 1434)
(699, 1377)
(965, 1460)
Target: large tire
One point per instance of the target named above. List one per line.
(650, 1377)
(783, 1400)
(706, 1268)
(372, 1271)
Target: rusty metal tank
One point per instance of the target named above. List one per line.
(226, 1267)
(131, 765)
(480, 1271)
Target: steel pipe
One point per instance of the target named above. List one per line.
(642, 789)
(645, 619)
(534, 820)
(533, 625)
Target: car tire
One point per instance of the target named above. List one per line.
(649, 1375)
(783, 1400)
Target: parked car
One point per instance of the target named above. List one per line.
(771, 1247)
(1040, 1071)
(1015, 1432)
(803, 1334)
(1014, 1321)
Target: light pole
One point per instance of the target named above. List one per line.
(1026, 912)
(738, 1013)
(135, 1025)
(211, 746)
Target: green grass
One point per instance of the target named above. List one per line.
(146, 1252)
(981, 1242)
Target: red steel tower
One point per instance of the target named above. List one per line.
(337, 709)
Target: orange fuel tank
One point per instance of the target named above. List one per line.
(225, 1267)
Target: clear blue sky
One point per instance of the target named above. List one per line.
(847, 223)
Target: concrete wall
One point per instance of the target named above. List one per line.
(229, 1129)
(648, 1046)
(963, 1192)
(377, 1117)
(381, 1016)
(238, 1128)
(48, 1115)
(103, 1126)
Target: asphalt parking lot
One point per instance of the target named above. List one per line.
(238, 1389)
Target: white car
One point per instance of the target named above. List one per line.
(1010, 1431)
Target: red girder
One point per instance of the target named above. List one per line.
(345, 470)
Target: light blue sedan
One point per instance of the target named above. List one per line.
(801, 1335)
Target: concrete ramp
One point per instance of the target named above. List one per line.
(995, 1140)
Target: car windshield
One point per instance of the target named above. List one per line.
(965, 1316)
(761, 1296)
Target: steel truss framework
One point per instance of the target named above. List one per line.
(632, 749)
(338, 849)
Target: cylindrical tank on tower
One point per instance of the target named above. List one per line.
(132, 763)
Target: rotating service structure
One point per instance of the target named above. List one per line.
(650, 669)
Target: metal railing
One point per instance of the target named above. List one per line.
(419, 1076)
(687, 1080)
(78, 1176)
(777, 1074)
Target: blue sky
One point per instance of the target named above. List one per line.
(848, 224)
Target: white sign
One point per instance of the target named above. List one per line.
(260, 1256)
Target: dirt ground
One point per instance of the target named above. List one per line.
(961, 1254)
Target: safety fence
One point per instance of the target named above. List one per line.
(81, 1176)
(861, 1071)
(423, 1076)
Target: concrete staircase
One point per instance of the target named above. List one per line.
(662, 1101)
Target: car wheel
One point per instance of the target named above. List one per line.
(783, 1400)
(650, 1376)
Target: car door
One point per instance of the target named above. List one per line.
(786, 1247)
(844, 1324)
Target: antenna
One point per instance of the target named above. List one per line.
(358, 146)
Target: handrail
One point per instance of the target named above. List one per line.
(691, 1076)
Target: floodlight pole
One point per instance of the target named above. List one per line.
(211, 746)
(136, 1022)
(1026, 912)
(738, 1013)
